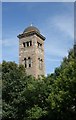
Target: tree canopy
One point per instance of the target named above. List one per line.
(47, 98)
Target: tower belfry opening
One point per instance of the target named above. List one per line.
(31, 51)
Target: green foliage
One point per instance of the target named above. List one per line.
(62, 98)
(47, 98)
(35, 113)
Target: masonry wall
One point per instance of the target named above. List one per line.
(34, 53)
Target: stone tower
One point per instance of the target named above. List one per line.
(31, 51)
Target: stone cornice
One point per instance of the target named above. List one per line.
(26, 34)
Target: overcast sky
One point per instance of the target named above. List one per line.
(54, 20)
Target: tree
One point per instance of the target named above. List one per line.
(62, 99)
(14, 81)
(22, 94)
(52, 97)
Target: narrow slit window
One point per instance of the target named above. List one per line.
(27, 44)
(24, 44)
(29, 62)
(25, 63)
(30, 43)
(40, 63)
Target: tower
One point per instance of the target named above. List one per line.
(31, 51)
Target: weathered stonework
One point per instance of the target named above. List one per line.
(33, 51)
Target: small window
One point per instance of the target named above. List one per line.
(29, 65)
(25, 62)
(24, 44)
(39, 45)
(29, 62)
(27, 44)
(30, 43)
(40, 63)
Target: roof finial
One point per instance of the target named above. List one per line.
(31, 24)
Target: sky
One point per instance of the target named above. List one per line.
(55, 20)
(38, 0)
